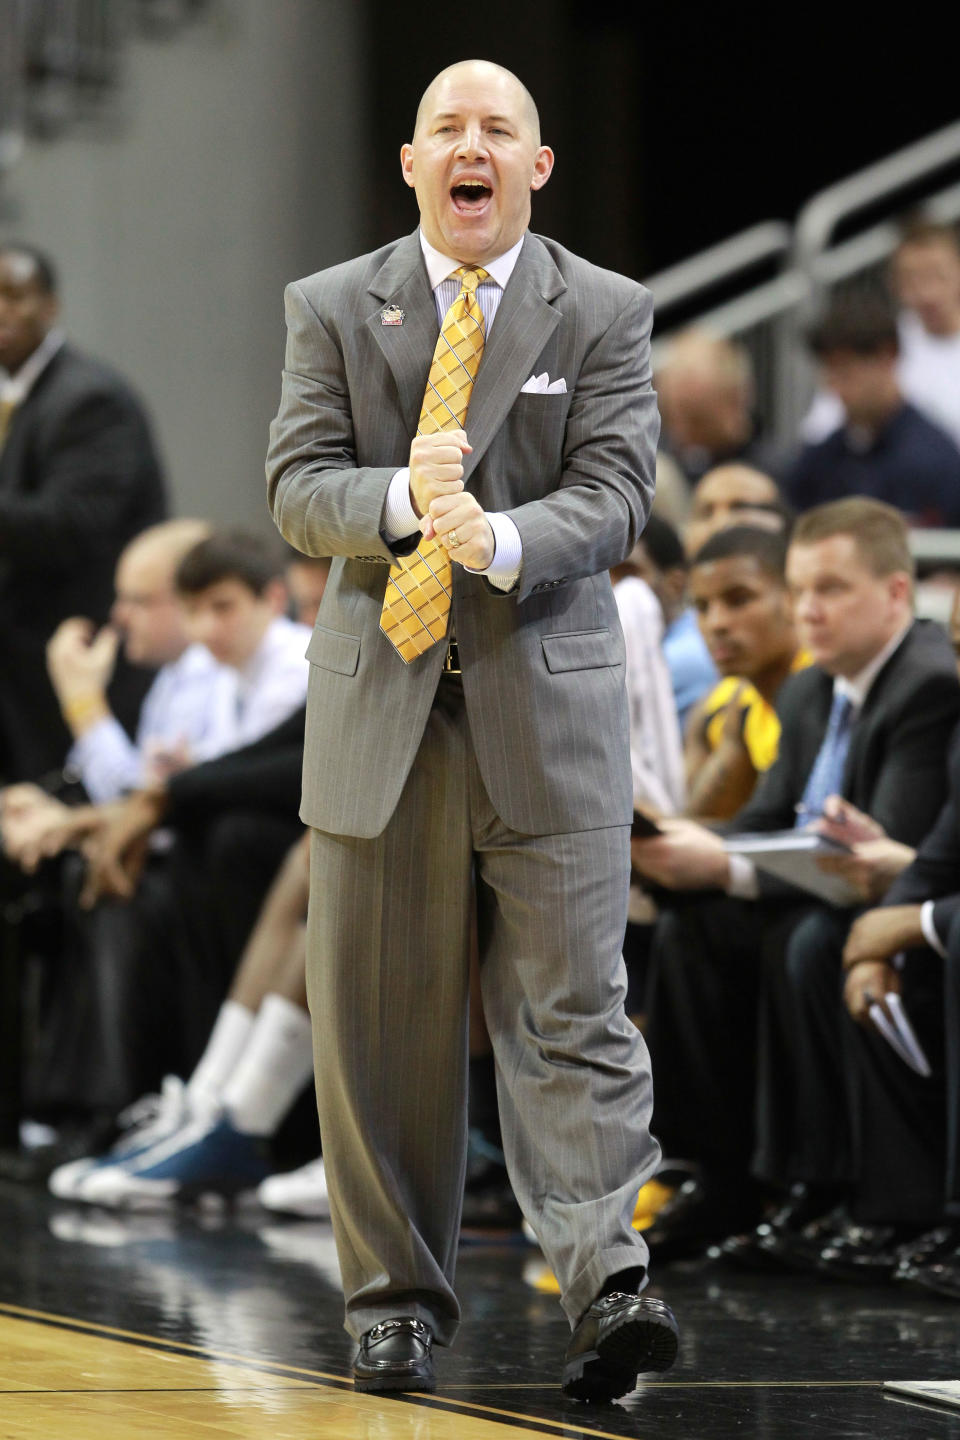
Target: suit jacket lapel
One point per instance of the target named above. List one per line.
(524, 323)
(407, 348)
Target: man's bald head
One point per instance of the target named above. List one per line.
(146, 609)
(733, 494)
(474, 160)
(166, 544)
(481, 69)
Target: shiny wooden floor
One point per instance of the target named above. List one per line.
(229, 1325)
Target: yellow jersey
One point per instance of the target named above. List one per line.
(760, 723)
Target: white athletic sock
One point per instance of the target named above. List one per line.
(228, 1039)
(274, 1068)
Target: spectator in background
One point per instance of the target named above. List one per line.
(655, 749)
(734, 495)
(738, 587)
(182, 718)
(186, 716)
(232, 588)
(885, 448)
(180, 942)
(706, 391)
(79, 477)
(925, 279)
(870, 719)
(658, 559)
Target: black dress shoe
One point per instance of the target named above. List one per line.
(942, 1277)
(804, 1204)
(800, 1250)
(928, 1249)
(864, 1253)
(698, 1215)
(619, 1338)
(395, 1355)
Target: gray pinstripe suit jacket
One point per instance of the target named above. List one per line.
(543, 665)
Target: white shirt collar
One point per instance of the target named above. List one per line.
(17, 387)
(857, 687)
(439, 266)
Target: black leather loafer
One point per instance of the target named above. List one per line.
(864, 1253)
(928, 1249)
(619, 1338)
(395, 1355)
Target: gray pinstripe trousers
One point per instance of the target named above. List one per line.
(387, 972)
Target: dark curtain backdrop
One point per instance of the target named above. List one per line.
(674, 125)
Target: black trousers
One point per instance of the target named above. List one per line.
(863, 1118)
(136, 989)
(714, 961)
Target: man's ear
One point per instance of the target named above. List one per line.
(542, 167)
(901, 586)
(406, 163)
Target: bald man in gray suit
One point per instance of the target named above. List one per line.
(495, 763)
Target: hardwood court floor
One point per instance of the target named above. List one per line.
(227, 1327)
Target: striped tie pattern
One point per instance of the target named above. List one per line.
(416, 606)
(7, 407)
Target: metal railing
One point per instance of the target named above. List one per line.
(769, 318)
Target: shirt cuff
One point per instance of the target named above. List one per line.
(930, 930)
(504, 569)
(743, 883)
(399, 516)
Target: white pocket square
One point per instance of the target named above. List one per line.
(542, 385)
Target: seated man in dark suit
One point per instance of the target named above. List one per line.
(79, 477)
(870, 720)
(901, 1200)
(885, 448)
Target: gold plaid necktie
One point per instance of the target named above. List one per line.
(416, 606)
(7, 408)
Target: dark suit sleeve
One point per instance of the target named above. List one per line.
(92, 453)
(935, 871)
(909, 789)
(263, 776)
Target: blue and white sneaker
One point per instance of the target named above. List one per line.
(147, 1121)
(207, 1156)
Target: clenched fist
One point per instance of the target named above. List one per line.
(447, 513)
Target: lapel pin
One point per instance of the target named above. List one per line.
(391, 315)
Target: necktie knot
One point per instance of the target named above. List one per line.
(470, 277)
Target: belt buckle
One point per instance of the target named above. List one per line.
(451, 661)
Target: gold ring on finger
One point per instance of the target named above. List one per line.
(454, 539)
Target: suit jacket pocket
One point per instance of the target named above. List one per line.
(332, 650)
(581, 650)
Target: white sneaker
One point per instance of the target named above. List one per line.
(299, 1192)
(142, 1124)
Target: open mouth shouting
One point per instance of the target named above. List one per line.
(471, 197)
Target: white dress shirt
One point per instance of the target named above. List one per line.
(400, 518)
(656, 753)
(743, 874)
(272, 684)
(17, 387)
(186, 709)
